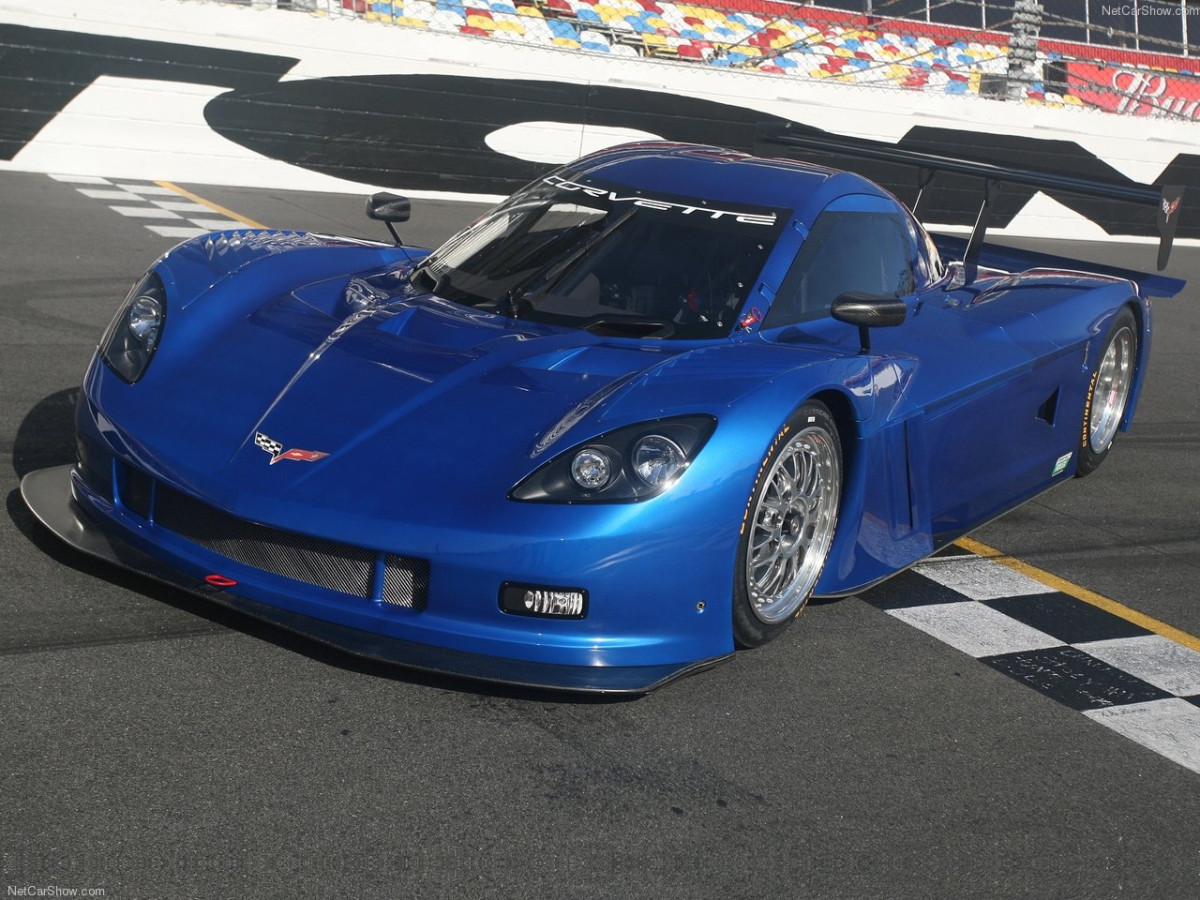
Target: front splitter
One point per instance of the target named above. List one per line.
(47, 493)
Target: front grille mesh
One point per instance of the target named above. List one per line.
(405, 581)
(345, 568)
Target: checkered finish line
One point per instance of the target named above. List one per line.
(1140, 684)
(164, 211)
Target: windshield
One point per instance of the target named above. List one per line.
(608, 259)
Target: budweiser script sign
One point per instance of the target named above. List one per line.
(1135, 92)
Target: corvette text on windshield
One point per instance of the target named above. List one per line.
(648, 203)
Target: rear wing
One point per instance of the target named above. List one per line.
(1166, 198)
(1012, 259)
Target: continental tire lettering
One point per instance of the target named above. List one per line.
(758, 476)
(1087, 410)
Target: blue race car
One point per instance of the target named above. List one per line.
(631, 419)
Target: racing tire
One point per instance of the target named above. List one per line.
(1108, 394)
(788, 527)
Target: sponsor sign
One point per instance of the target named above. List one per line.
(1134, 92)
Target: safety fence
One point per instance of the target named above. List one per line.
(827, 44)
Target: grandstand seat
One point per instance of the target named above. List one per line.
(509, 22)
(563, 30)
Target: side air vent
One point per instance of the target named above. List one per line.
(1049, 410)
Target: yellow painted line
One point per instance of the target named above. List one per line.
(215, 207)
(1081, 593)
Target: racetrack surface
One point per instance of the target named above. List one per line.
(156, 746)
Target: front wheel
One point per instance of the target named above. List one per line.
(789, 526)
(1108, 393)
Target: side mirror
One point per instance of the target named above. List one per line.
(868, 311)
(389, 208)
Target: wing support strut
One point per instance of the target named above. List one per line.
(1166, 198)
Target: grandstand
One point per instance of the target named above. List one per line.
(932, 48)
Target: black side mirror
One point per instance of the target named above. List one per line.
(868, 311)
(389, 208)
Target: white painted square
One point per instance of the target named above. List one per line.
(1170, 728)
(145, 212)
(215, 224)
(179, 231)
(108, 194)
(81, 179)
(975, 629)
(181, 206)
(978, 578)
(1154, 659)
(149, 189)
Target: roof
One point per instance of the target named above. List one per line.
(714, 173)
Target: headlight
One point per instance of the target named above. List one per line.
(633, 463)
(133, 335)
(657, 460)
(591, 469)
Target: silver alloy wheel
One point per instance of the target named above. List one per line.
(793, 525)
(1111, 391)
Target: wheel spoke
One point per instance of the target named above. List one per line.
(793, 525)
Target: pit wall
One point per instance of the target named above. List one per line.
(207, 93)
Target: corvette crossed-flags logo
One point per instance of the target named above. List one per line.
(275, 448)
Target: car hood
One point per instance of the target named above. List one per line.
(382, 405)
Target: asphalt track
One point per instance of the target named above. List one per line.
(156, 747)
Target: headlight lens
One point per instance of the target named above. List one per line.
(657, 460)
(134, 333)
(145, 320)
(590, 469)
(633, 463)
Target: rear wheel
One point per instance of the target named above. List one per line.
(1108, 393)
(789, 526)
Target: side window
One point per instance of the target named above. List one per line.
(869, 252)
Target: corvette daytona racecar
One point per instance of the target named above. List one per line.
(631, 419)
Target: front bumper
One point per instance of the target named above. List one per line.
(60, 499)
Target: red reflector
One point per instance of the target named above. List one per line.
(219, 581)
